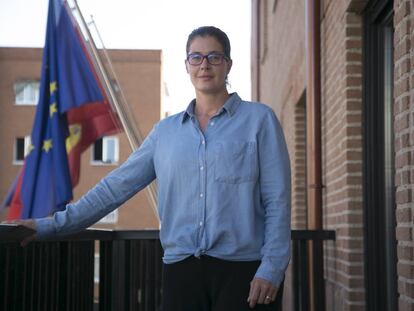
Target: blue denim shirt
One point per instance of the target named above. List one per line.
(224, 192)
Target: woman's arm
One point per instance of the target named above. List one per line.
(113, 190)
(275, 190)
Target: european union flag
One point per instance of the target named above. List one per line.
(68, 83)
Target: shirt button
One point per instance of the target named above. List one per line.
(212, 123)
(201, 167)
(201, 195)
(203, 142)
(201, 223)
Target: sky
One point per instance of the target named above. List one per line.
(151, 24)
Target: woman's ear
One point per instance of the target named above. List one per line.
(230, 63)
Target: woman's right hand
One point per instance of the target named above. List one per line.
(27, 223)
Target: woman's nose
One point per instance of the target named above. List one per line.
(204, 64)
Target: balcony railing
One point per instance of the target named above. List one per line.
(59, 274)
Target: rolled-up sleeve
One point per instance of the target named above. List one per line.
(113, 190)
(275, 192)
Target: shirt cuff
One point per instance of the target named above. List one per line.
(269, 272)
(45, 227)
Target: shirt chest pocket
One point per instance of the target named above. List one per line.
(235, 161)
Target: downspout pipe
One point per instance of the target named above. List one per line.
(314, 153)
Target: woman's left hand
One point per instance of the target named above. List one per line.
(261, 292)
(27, 223)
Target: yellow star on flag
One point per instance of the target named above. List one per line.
(53, 87)
(75, 136)
(47, 145)
(52, 109)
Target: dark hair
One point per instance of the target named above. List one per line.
(210, 31)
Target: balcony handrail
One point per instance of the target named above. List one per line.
(14, 233)
(130, 270)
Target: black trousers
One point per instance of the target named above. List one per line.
(211, 284)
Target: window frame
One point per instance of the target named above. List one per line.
(26, 101)
(26, 144)
(105, 142)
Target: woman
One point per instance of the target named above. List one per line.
(223, 176)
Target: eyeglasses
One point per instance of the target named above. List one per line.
(196, 59)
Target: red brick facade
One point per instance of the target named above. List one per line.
(139, 74)
(341, 46)
(279, 80)
(404, 147)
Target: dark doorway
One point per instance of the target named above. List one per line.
(379, 201)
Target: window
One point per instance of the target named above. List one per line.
(21, 149)
(27, 92)
(106, 150)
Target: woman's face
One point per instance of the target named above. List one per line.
(208, 78)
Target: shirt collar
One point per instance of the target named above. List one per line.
(230, 106)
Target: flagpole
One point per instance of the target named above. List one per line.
(130, 128)
(136, 133)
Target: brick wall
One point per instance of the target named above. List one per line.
(341, 40)
(282, 82)
(143, 96)
(282, 85)
(298, 156)
(404, 147)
